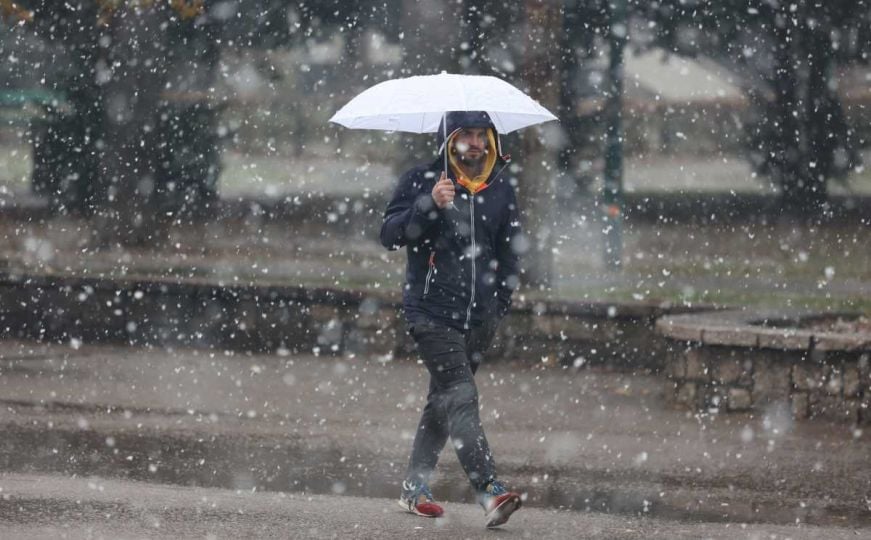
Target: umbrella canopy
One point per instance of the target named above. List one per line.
(417, 104)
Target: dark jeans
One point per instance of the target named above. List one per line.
(451, 410)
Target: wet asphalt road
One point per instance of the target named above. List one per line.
(603, 445)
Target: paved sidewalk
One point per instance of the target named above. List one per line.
(38, 506)
(585, 440)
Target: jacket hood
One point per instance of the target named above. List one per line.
(457, 120)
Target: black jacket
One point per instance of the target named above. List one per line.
(462, 261)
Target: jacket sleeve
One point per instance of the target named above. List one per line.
(410, 213)
(509, 244)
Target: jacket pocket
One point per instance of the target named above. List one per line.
(430, 274)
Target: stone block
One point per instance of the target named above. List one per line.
(542, 324)
(735, 336)
(851, 381)
(372, 340)
(836, 409)
(852, 410)
(800, 405)
(372, 314)
(772, 380)
(834, 381)
(807, 375)
(517, 325)
(676, 366)
(686, 393)
(821, 406)
(324, 313)
(608, 329)
(832, 341)
(577, 330)
(865, 410)
(677, 329)
(696, 364)
(864, 366)
(645, 349)
(784, 339)
(711, 398)
(739, 399)
(732, 370)
(566, 327)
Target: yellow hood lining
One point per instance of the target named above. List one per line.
(478, 182)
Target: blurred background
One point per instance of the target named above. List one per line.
(195, 306)
(706, 151)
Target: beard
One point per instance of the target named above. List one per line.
(475, 164)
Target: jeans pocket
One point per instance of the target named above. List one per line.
(442, 348)
(422, 328)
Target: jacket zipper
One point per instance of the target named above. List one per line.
(429, 272)
(474, 248)
(473, 257)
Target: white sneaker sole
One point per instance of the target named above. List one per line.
(500, 514)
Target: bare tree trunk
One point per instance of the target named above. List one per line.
(537, 191)
(429, 49)
(819, 124)
(134, 77)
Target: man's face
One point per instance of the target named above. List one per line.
(471, 145)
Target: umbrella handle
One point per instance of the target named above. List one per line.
(445, 137)
(452, 206)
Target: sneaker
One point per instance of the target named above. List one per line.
(498, 503)
(417, 499)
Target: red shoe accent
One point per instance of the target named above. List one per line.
(503, 507)
(428, 509)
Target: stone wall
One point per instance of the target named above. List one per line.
(287, 319)
(722, 362)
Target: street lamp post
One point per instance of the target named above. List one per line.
(612, 198)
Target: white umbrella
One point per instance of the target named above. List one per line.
(418, 104)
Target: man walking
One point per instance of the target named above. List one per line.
(460, 228)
